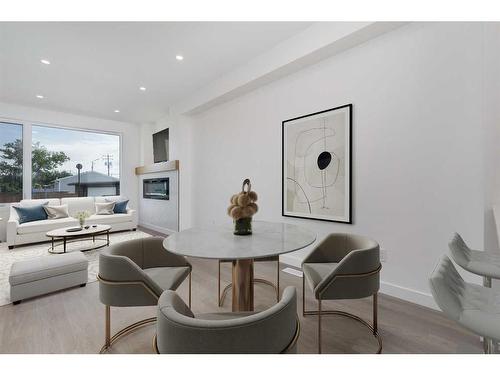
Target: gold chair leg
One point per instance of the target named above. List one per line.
(108, 340)
(124, 332)
(155, 344)
(303, 295)
(189, 298)
(278, 280)
(319, 326)
(107, 327)
(219, 302)
(373, 328)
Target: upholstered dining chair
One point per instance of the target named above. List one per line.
(343, 266)
(274, 330)
(276, 286)
(136, 273)
(474, 307)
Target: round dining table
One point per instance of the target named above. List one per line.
(218, 242)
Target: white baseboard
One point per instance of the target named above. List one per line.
(407, 294)
(291, 260)
(156, 228)
(393, 290)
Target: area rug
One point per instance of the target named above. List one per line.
(7, 257)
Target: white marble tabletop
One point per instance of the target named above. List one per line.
(267, 239)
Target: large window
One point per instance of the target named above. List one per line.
(11, 162)
(70, 163)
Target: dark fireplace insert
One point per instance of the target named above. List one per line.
(155, 188)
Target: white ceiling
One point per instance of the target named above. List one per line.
(98, 67)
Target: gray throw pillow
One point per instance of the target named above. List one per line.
(104, 208)
(56, 212)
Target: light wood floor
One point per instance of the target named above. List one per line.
(72, 321)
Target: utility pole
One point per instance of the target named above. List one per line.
(92, 164)
(108, 160)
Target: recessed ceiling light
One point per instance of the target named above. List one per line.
(142, 88)
(117, 111)
(46, 62)
(40, 96)
(179, 57)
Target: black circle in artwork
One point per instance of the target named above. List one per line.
(324, 160)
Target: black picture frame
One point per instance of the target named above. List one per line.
(347, 178)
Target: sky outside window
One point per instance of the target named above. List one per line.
(10, 132)
(82, 147)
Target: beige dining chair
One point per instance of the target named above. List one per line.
(343, 266)
(136, 273)
(272, 331)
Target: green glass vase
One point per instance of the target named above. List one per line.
(243, 227)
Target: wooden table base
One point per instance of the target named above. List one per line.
(242, 285)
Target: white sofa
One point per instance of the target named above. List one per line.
(34, 231)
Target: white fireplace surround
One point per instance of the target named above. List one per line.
(158, 214)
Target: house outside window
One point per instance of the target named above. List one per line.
(56, 153)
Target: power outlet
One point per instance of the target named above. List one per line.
(383, 256)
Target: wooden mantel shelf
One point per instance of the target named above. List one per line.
(166, 166)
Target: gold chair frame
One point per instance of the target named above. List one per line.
(110, 340)
(320, 312)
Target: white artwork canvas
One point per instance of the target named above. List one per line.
(317, 165)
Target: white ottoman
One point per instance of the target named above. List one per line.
(34, 277)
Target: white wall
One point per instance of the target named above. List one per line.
(130, 134)
(417, 161)
(424, 161)
(491, 118)
(180, 148)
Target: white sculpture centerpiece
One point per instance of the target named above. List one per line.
(242, 209)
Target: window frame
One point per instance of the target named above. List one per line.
(23, 132)
(27, 137)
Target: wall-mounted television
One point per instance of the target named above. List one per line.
(160, 146)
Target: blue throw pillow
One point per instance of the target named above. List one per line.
(31, 213)
(120, 207)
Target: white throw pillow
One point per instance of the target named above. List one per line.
(104, 208)
(56, 212)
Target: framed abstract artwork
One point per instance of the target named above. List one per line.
(316, 165)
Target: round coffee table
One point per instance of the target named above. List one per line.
(69, 237)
